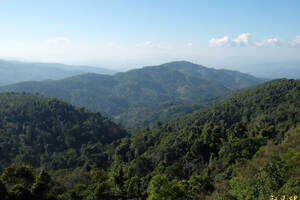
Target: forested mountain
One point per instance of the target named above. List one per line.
(52, 134)
(13, 71)
(126, 96)
(243, 147)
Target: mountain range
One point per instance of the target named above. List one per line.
(141, 96)
(15, 71)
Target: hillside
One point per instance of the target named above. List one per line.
(52, 134)
(14, 71)
(123, 95)
(243, 147)
(207, 152)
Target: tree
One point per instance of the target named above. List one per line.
(102, 191)
(23, 175)
(161, 189)
(134, 187)
(19, 192)
(3, 191)
(41, 187)
(201, 186)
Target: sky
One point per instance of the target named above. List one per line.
(129, 33)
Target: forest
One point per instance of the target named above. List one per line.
(245, 146)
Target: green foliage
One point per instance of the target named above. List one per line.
(211, 144)
(162, 189)
(19, 192)
(102, 191)
(52, 134)
(3, 191)
(23, 175)
(244, 147)
(275, 170)
(134, 188)
(200, 186)
(41, 185)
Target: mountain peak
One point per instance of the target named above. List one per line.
(182, 63)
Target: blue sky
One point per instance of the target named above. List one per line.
(120, 33)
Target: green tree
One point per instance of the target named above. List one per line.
(134, 187)
(3, 191)
(161, 189)
(23, 175)
(200, 186)
(103, 191)
(40, 188)
(19, 192)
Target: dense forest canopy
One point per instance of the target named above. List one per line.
(211, 143)
(52, 134)
(142, 96)
(242, 147)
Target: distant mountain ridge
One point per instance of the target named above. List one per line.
(14, 71)
(269, 70)
(124, 94)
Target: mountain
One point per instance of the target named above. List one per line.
(122, 95)
(243, 147)
(14, 71)
(52, 134)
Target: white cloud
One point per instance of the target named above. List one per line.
(220, 42)
(243, 40)
(272, 42)
(58, 41)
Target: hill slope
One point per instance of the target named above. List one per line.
(146, 89)
(13, 71)
(53, 134)
(204, 150)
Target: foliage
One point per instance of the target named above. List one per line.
(244, 147)
(212, 143)
(52, 134)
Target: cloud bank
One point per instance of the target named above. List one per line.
(245, 40)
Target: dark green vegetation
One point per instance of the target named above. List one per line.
(14, 71)
(212, 147)
(51, 134)
(140, 97)
(244, 147)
